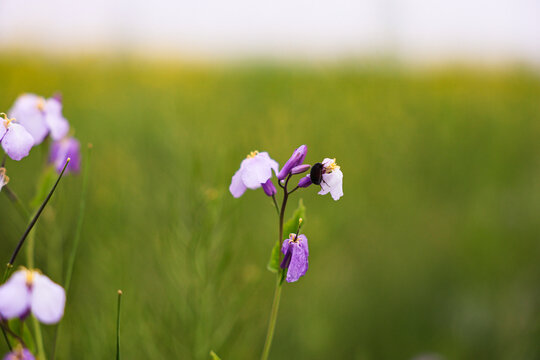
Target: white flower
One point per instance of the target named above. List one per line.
(332, 179)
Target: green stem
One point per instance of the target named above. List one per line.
(273, 318)
(23, 211)
(39, 339)
(277, 291)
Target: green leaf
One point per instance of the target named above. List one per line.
(18, 326)
(214, 356)
(291, 226)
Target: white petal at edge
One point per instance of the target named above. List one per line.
(48, 300)
(14, 296)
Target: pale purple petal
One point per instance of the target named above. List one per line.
(3, 129)
(270, 162)
(14, 296)
(332, 183)
(20, 354)
(57, 124)
(28, 111)
(299, 263)
(257, 171)
(17, 142)
(237, 187)
(48, 300)
(302, 239)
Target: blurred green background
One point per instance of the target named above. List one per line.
(434, 249)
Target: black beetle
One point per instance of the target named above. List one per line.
(316, 173)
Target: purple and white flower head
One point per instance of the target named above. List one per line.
(332, 179)
(296, 252)
(255, 170)
(61, 150)
(40, 116)
(4, 179)
(29, 291)
(16, 140)
(296, 159)
(19, 353)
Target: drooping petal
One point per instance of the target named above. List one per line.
(57, 124)
(269, 188)
(302, 239)
(17, 142)
(332, 183)
(48, 300)
(237, 187)
(28, 111)
(14, 296)
(299, 263)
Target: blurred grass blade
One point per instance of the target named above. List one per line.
(118, 325)
(214, 356)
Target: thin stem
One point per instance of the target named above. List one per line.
(273, 318)
(23, 211)
(7, 339)
(275, 203)
(34, 220)
(277, 291)
(6, 330)
(39, 339)
(118, 326)
(293, 190)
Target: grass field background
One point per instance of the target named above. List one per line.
(433, 249)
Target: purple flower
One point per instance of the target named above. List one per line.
(297, 158)
(68, 147)
(305, 181)
(296, 253)
(254, 171)
(40, 117)
(4, 179)
(30, 291)
(19, 354)
(332, 179)
(16, 141)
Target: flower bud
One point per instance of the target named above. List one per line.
(269, 188)
(300, 169)
(304, 182)
(297, 158)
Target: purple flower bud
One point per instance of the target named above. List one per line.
(297, 158)
(296, 252)
(20, 354)
(29, 291)
(254, 171)
(300, 169)
(269, 188)
(16, 141)
(61, 150)
(305, 181)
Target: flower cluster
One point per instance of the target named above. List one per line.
(31, 119)
(256, 171)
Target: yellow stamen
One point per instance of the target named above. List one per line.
(7, 120)
(331, 166)
(252, 154)
(41, 104)
(29, 277)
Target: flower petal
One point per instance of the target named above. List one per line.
(57, 124)
(332, 183)
(48, 300)
(17, 142)
(14, 296)
(237, 187)
(299, 263)
(257, 171)
(27, 112)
